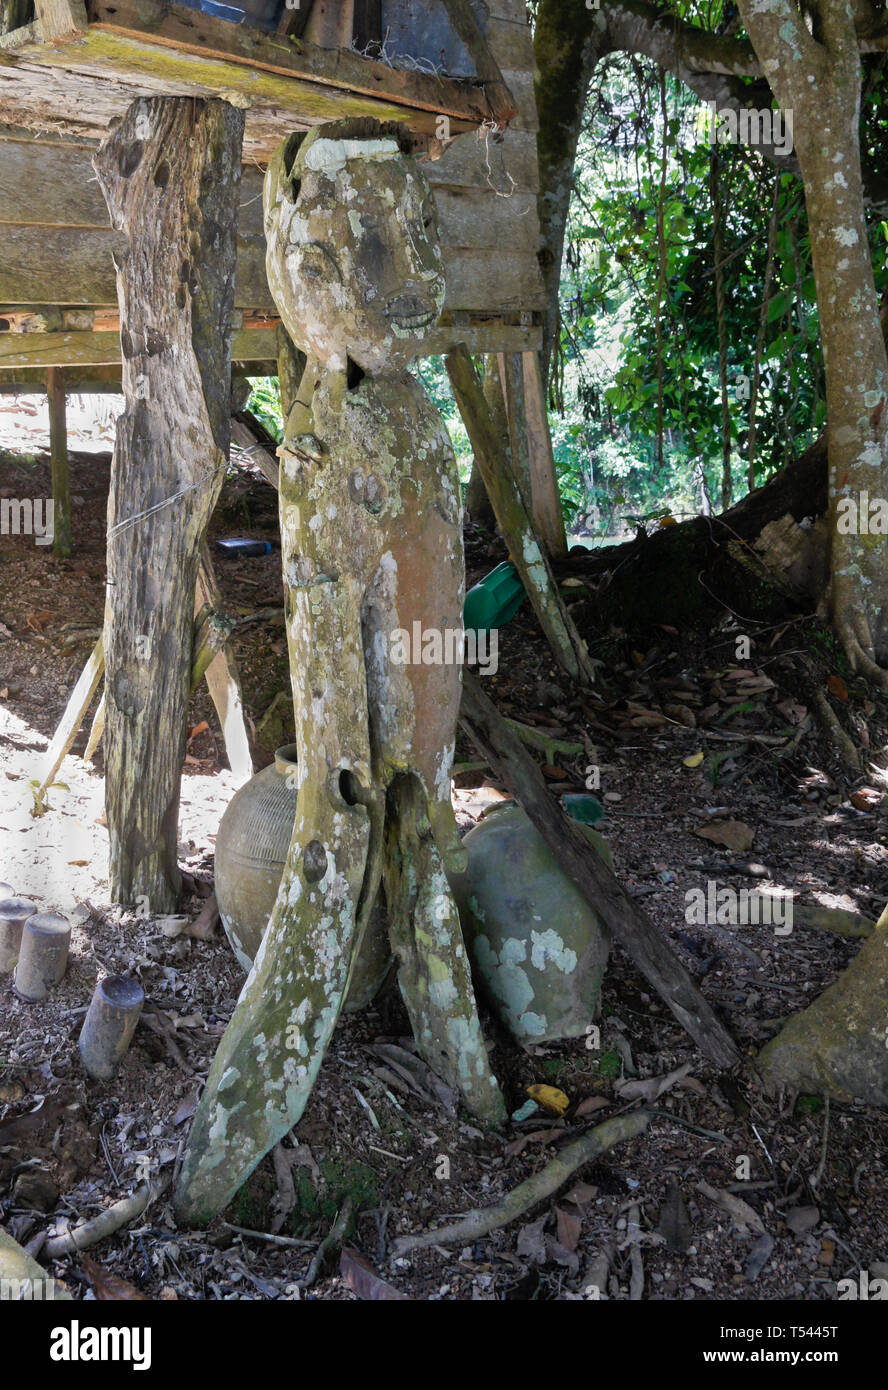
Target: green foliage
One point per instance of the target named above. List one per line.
(265, 404)
(639, 328)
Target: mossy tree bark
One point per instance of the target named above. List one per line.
(819, 80)
(170, 173)
(839, 1045)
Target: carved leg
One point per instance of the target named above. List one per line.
(434, 974)
(272, 1050)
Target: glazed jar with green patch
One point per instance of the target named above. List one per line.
(537, 946)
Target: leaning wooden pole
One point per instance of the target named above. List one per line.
(514, 520)
(170, 173)
(58, 455)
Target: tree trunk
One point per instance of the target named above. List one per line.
(170, 173)
(566, 43)
(820, 82)
(839, 1045)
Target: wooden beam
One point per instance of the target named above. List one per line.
(78, 703)
(103, 349)
(247, 52)
(25, 353)
(75, 265)
(169, 173)
(366, 24)
(58, 455)
(465, 23)
(547, 509)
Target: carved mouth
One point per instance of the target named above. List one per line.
(411, 322)
(409, 315)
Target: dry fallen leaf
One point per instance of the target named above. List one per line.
(108, 1287)
(569, 1228)
(591, 1104)
(836, 686)
(741, 1212)
(360, 1276)
(733, 834)
(866, 799)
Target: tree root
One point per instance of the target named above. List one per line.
(533, 1190)
(106, 1223)
(332, 1241)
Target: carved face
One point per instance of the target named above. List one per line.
(354, 262)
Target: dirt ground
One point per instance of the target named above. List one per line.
(728, 1195)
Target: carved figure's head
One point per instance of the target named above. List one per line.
(354, 262)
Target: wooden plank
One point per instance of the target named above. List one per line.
(515, 10)
(103, 349)
(73, 265)
(60, 19)
(511, 157)
(78, 703)
(185, 31)
(25, 356)
(520, 84)
(42, 182)
(475, 219)
(511, 44)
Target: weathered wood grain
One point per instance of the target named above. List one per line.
(74, 265)
(170, 173)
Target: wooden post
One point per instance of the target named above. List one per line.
(514, 520)
(547, 510)
(531, 445)
(58, 453)
(223, 681)
(169, 172)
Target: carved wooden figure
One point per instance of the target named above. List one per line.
(372, 544)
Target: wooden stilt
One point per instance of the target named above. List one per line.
(547, 511)
(169, 172)
(515, 521)
(58, 452)
(531, 445)
(512, 380)
(223, 681)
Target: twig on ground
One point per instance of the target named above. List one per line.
(533, 1190)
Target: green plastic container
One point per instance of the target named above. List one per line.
(495, 600)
